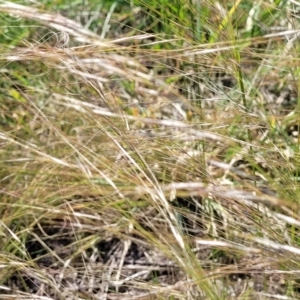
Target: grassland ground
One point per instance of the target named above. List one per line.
(149, 150)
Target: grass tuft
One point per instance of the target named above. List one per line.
(149, 150)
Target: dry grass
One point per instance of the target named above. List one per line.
(149, 165)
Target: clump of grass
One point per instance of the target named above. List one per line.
(149, 150)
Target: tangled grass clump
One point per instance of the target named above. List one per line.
(149, 150)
